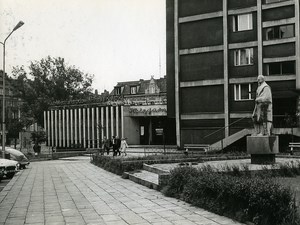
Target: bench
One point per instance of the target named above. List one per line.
(293, 145)
(198, 147)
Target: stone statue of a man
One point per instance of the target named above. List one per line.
(262, 115)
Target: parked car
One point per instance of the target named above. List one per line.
(16, 155)
(8, 167)
(1, 173)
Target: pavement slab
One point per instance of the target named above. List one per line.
(74, 192)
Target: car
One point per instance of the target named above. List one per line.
(8, 167)
(18, 156)
(1, 173)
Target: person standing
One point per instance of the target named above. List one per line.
(118, 145)
(124, 146)
(114, 145)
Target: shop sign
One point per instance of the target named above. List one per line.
(154, 110)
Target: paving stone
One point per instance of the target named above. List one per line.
(77, 192)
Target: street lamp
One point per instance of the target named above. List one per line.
(21, 23)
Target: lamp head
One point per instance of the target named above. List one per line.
(21, 23)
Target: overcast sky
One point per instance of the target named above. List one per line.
(116, 40)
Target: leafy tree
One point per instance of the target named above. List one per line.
(49, 80)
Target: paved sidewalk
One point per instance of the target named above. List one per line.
(77, 192)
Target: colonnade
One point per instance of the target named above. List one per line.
(83, 126)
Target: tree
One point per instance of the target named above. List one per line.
(49, 80)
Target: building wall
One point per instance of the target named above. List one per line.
(209, 76)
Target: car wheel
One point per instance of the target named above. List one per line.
(10, 175)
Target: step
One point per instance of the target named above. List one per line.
(144, 178)
(153, 169)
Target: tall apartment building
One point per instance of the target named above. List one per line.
(215, 51)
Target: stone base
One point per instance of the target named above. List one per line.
(262, 149)
(262, 158)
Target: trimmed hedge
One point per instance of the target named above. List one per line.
(256, 199)
(120, 165)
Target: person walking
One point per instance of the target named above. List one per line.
(124, 146)
(106, 145)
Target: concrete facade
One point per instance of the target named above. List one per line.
(215, 51)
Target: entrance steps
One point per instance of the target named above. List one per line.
(149, 176)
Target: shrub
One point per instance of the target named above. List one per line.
(178, 179)
(254, 199)
(116, 165)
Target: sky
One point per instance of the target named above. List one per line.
(115, 40)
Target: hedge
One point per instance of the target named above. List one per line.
(255, 199)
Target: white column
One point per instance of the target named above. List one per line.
(93, 127)
(112, 120)
(68, 127)
(71, 127)
(52, 128)
(48, 131)
(117, 121)
(45, 121)
(88, 128)
(84, 127)
(122, 121)
(59, 128)
(102, 123)
(45, 126)
(75, 126)
(79, 126)
(98, 127)
(107, 133)
(63, 128)
(56, 128)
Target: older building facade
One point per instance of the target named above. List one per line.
(136, 110)
(215, 51)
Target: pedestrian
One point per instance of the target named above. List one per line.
(106, 145)
(118, 145)
(36, 148)
(124, 146)
(114, 145)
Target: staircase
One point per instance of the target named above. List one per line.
(230, 140)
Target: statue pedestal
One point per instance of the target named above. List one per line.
(262, 149)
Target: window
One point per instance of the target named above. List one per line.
(242, 92)
(279, 32)
(133, 90)
(117, 91)
(281, 68)
(242, 22)
(243, 57)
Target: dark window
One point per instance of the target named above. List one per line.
(281, 68)
(279, 32)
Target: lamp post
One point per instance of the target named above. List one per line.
(21, 23)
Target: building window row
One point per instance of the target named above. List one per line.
(279, 32)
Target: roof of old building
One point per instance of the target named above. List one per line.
(142, 86)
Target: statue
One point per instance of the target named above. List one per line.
(262, 115)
